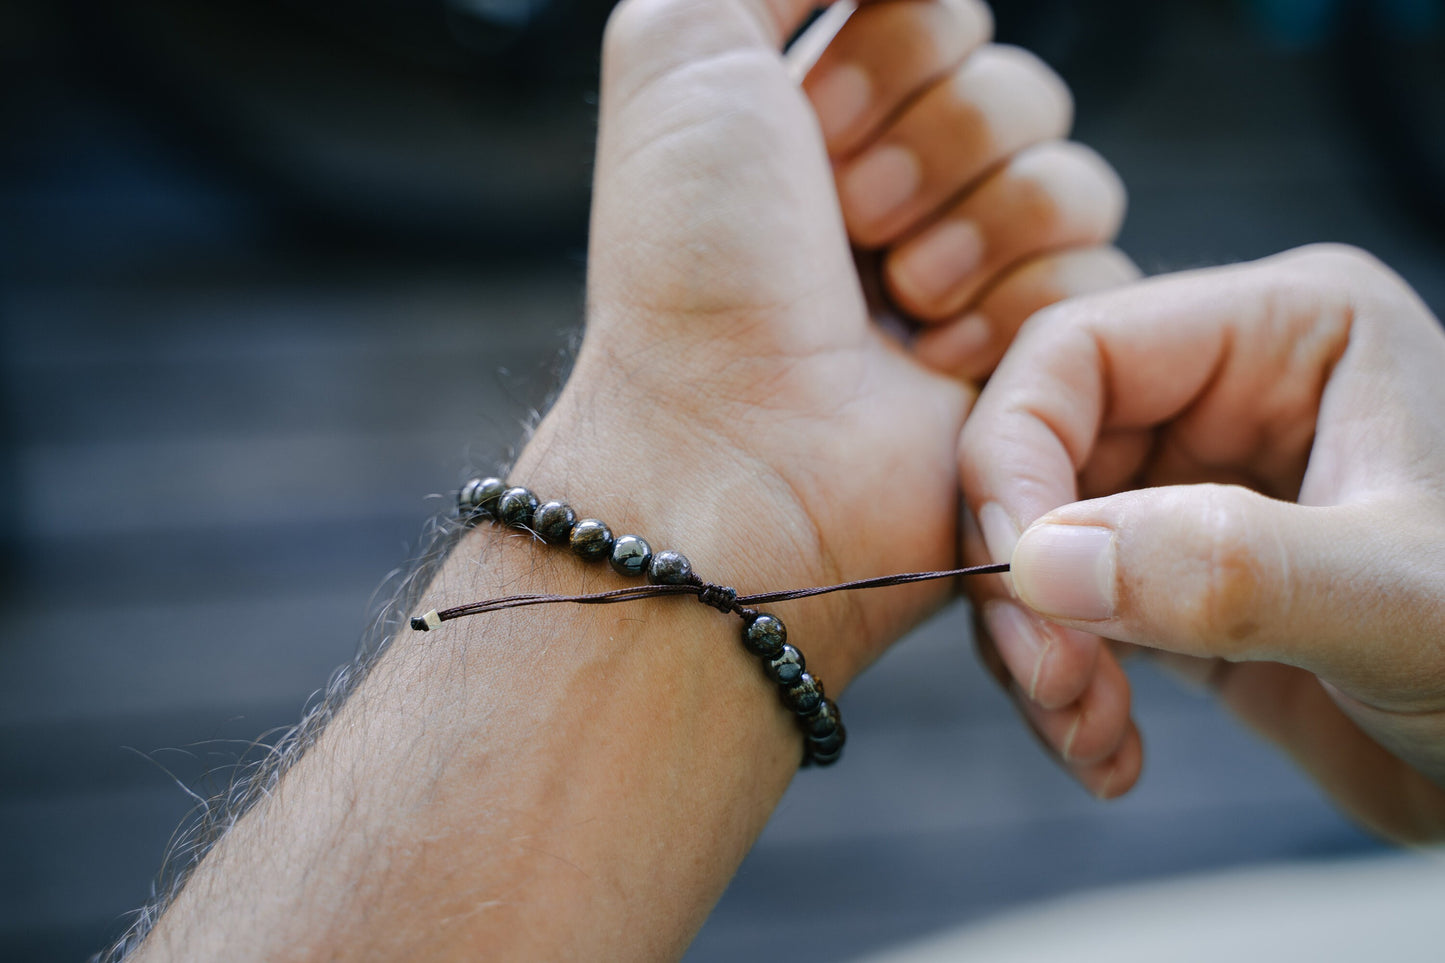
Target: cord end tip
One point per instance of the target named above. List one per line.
(425, 623)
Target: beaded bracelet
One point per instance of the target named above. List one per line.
(670, 573)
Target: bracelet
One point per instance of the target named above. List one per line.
(670, 573)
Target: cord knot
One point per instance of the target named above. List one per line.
(720, 597)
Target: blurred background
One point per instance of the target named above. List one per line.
(273, 270)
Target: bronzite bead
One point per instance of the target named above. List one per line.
(478, 498)
(630, 555)
(553, 521)
(829, 744)
(669, 568)
(765, 635)
(515, 507)
(786, 667)
(591, 540)
(805, 695)
(823, 720)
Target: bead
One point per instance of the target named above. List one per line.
(478, 498)
(630, 555)
(765, 635)
(554, 521)
(669, 568)
(825, 758)
(516, 506)
(591, 539)
(828, 744)
(786, 667)
(823, 721)
(804, 696)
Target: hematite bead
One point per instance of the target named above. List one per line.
(805, 695)
(829, 744)
(786, 667)
(478, 498)
(591, 539)
(823, 720)
(516, 506)
(554, 521)
(765, 635)
(630, 555)
(669, 568)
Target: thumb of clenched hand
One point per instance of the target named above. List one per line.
(1221, 571)
(714, 196)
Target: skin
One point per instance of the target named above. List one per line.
(579, 782)
(1288, 420)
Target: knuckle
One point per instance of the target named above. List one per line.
(1334, 258)
(1222, 606)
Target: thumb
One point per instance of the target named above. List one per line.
(713, 197)
(1222, 571)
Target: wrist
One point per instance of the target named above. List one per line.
(684, 487)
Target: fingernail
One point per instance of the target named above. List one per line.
(1014, 631)
(840, 96)
(1066, 571)
(949, 347)
(1000, 535)
(935, 262)
(881, 181)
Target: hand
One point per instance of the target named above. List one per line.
(950, 165)
(1290, 418)
(808, 447)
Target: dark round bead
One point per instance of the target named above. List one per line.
(669, 568)
(554, 521)
(765, 635)
(516, 506)
(786, 667)
(630, 555)
(591, 539)
(824, 720)
(478, 497)
(804, 696)
(829, 744)
(825, 758)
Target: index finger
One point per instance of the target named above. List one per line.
(1126, 359)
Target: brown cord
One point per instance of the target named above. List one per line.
(720, 597)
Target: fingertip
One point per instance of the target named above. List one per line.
(1119, 774)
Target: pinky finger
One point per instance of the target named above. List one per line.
(1116, 775)
(971, 346)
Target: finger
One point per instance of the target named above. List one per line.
(708, 154)
(1233, 360)
(1052, 665)
(971, 346)
(884, 55)
(1001, 100)
(1116, 775)
(1052, 197)
(1093, 728)
(1222, 571)
(646, 39)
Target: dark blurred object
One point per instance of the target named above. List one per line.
(1101, 47)
(1389, 58)
(376, 121)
